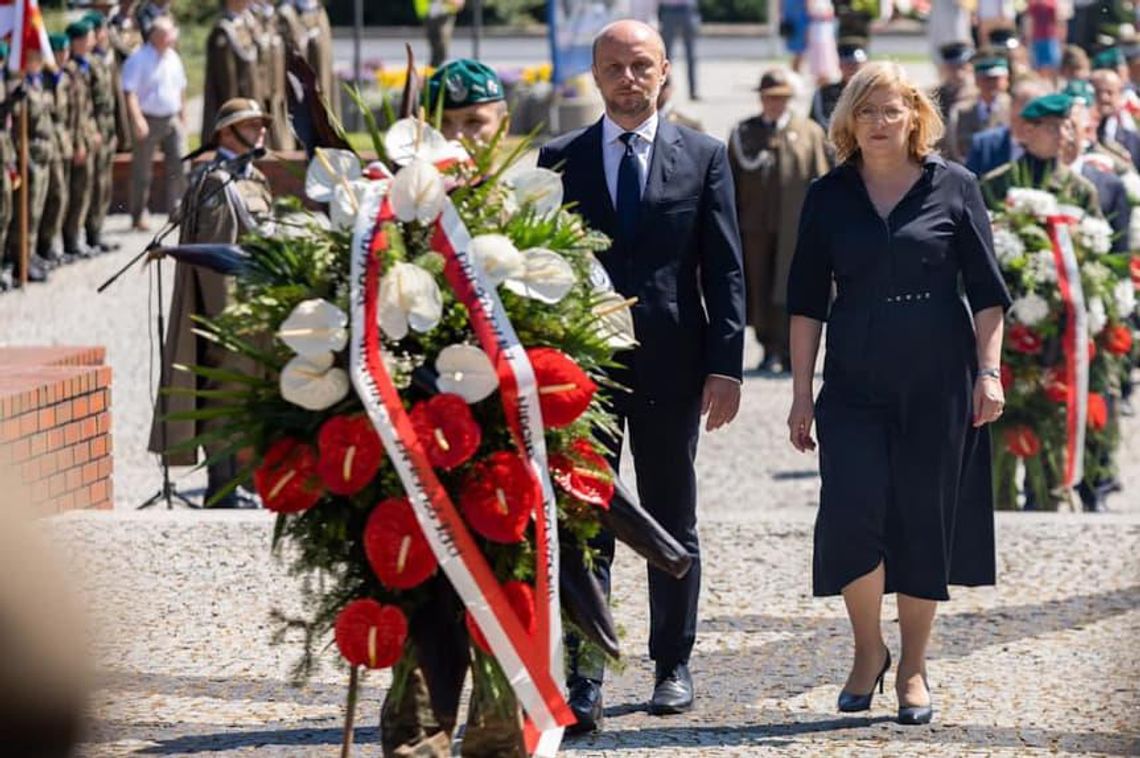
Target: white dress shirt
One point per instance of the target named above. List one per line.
(613, 149)
(158, 81)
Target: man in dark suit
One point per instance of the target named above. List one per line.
(996, 147)
(664, 195)
(1116, 124)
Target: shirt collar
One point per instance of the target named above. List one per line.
(781, 122)
(647, 129)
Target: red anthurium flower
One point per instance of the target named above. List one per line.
(584, 473)
(370, 634)
(1118, 339)
(1022, 442)
(447, 430)
(1024, 340)
(395, 545)
(351, 454)
(1097, 412)
(564, 389)
(520, 596)
(1055, 386)
(1006, 376)
(499, 496)
(287, 479)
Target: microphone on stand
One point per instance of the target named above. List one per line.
(238, 163)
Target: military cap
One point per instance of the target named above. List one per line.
(1054, 105)
(956, 53)
(236, 110)
(1110, 58)
(94, 19)
(58, 41)
(995, 66)
(77, 29)
(852, 50)
(464, 82)
(774, 83)
(1079, 89)
(1004, 38)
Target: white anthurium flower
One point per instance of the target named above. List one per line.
(497, 257)
(409, 297)
(539, 189)
(346, 203)
(1098, 316)
(410, 138)
(546, 276)
(1124, 293)
(313, 383)
(417, 192)
(1031, 309)
(465, 370)
(315, 327)
(614, 321)
(329, 169)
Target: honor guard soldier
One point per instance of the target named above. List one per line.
(852, 56)
(106, 83)
(41, 148)
(88, 139)
(227, 199)
(667, 109)
(61, 96)
(232, 66)
(305, 26)
(955, 74)
(271, 58)
(987, 109)
(7, 169)
(474, 104)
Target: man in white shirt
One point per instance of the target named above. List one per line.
(154, 81)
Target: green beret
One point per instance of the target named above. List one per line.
(77, 29)
(58, 41)
(464, 82)
(94, 19)
(1109, 58)
(1079, 89)
(1055, 105)
(992, 66)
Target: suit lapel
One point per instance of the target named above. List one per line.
(596, 203)
(661, 163)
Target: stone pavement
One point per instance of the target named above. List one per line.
(1045, 663)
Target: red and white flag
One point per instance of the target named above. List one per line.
(21, 19)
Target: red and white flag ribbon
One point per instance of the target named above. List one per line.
(1074, 346)
(23, 20)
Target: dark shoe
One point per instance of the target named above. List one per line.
(79, 252)
(585, 702)
(6, 281)
(914, 715)
(106, 247)
(239, 498)
(36, 272)
(141, 225)
(851, 703)
(48, 259)
(673, 693)
(774, 365)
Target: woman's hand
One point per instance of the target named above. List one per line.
(989, 400)
(800, 420)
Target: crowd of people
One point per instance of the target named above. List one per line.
(115, 82)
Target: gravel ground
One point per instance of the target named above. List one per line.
(1047, 662)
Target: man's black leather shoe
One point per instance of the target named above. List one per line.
(674, 691)
(586, 704)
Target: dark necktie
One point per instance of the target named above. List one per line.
(628, 189)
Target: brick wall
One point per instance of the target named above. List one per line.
(55, 425)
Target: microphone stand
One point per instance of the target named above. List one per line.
(166, 494)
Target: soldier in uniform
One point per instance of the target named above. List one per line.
(232, 66)
(271, 58)
(60, 100)
(1045, 129)
(987, 109)
(955, 75)
(852, 56)
(41, 147)
(106, 83)
(147, 12)
(305, 26)
(774, 157)
(225, 201)
(668, 111)
(124, 39)
(473, 100)
(88, 139)
(7, 169)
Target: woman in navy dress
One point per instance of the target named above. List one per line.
(909, 380)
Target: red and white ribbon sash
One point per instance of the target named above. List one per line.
(497, 337)
(524, 663)
(1074, 346)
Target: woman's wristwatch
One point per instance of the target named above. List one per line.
(994, 373)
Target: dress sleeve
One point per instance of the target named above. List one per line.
(809, 279)
(981, 274)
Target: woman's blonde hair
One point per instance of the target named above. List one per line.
(926, 122)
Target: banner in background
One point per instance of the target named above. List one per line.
(573, 25)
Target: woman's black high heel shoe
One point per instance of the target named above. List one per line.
(849, 703)
(914, 715)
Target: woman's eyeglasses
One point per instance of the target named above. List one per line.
(869, 114)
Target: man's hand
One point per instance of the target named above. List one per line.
(79, 157)
(721, 401)
(141, 129)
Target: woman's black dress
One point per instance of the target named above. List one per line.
(906, 477)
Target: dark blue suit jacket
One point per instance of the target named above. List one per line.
(1113, 201)
(684, 264)
(989, 149)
